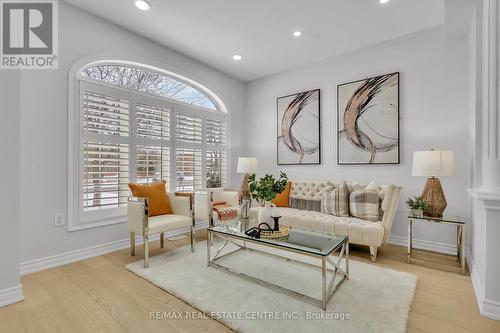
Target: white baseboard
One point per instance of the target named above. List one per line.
(11, 295)
(424, 245)
(41, 264)
(490, 309)
(487, 308)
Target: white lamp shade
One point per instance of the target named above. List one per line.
(433, 163)
(247, 165)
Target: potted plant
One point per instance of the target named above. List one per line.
(264, 190)
(417, 205)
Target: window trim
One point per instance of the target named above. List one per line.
(75, 220)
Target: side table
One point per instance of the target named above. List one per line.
(460, 227)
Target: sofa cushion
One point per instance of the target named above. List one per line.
(335, 201)
(370, 187)
(168, 222)
(364, 204)
(282, 199)
(312, 205)
(158, 202)
(384, 193)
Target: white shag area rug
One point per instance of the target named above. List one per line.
(374, 299)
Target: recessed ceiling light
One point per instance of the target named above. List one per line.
(142, 4)
(297, 33)
(383, 1)
(237, 57)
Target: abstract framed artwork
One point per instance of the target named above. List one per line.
(298, 129)
(368, 121)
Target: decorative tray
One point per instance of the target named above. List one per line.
(282, 234)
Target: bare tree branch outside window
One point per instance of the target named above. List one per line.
(148, 82)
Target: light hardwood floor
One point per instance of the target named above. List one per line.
(100, 295)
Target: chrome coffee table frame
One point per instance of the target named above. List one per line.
(335, 269)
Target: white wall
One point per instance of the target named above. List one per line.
(433, 110)
(9, 195)
(44, 130)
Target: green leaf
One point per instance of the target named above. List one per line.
(267, 187)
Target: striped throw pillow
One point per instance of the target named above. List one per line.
(336, 201)
(364, 204)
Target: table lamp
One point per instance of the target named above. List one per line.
(432, 164)
(246, 165)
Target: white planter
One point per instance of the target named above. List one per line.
(417, 212)
(266, 212)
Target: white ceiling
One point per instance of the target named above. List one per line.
(211, 31)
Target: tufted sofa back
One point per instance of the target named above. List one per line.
(307, 190)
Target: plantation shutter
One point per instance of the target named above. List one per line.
(153, 152)
(105, 149)
(215, 132)
(189, 129)
(216, 168)
(215, 157)
(188, 169)
(188, 152)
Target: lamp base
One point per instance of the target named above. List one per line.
(245, 190)
(433, 194)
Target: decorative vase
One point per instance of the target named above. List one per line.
(266, 213)
(417, 212)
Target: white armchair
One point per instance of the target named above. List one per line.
(203, 203)
(140, 223)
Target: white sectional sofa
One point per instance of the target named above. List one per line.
(304, 213)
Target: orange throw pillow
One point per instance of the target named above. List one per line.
(282, 199)
(158, 201)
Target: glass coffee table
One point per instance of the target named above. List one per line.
(304, 243)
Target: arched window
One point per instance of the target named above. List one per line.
(147, 81)
(140, 124)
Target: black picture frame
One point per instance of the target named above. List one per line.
(398, 121)
(278, 127)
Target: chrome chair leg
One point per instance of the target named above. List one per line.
(132, 244)
(146, 250)
(192, 238)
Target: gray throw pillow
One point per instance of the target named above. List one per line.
(336, 201)
(364, 204)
